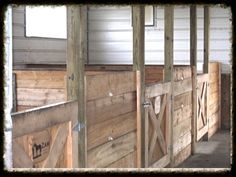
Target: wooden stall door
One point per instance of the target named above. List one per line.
(157, 101)
(202, 117)
(42, 137)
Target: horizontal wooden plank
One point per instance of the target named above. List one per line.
(106, 85)
(38, 103)
(152, 81)
(40, 94)
(106, 108)
(23, 108)
(157, 89)
(157, 77)
(98, 134)
(40, 75)
(182, 100)
(154, 69)
(112, 151)
(181, 143)
(182, 155)
(181, 87)
(129, 161)
(182, 114)
(180, 129)
(44, 84)
(39, 97)
(202, 78)
(181, 73)
(40, 118)
(108, 67)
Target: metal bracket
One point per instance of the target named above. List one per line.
(146, 104)
(78, 127)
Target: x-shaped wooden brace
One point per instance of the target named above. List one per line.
(156, 123)
(201, 103)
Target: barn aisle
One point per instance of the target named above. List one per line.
(212, 154)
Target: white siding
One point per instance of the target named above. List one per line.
(110, 36)
(8, 89)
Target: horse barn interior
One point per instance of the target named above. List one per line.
(124, 87)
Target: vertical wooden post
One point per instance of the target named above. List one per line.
(206, 57)
(206, 38)
(138, 65)
(219, 94)
(14, 93)
(76, 56)
(193, 63)
(168, 71)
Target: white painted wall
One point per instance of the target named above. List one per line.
(110, 36)
(8, 89)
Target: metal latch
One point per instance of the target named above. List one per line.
(78, 127)
(146, 104)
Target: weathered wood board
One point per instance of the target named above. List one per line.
(214, 97)
(111, 118)
(225, 101)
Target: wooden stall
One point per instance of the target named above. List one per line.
(42, 137)
(111, 103)
(111, 126)
(116, 116)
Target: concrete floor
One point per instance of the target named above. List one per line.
(214, 153)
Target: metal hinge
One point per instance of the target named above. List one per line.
(146, 104)
(78, 127)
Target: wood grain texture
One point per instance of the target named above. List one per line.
(129, 161)
(158, 89)
(182, 142)
(98, 133)
(181, 87)
(182, 114)
(100, 86)
(58, 142)
(181, 73)
(112, 151)
(183, 99)
(138, 22)
(182, 155)
(106, 108)
(20, 157)
(181, 129)
(43, 117)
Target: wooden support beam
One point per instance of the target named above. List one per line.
(168, 72)
(76, 57)
(14, 93)
(193, 62)
(138, 65)
(219, 92)
(206, 38)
